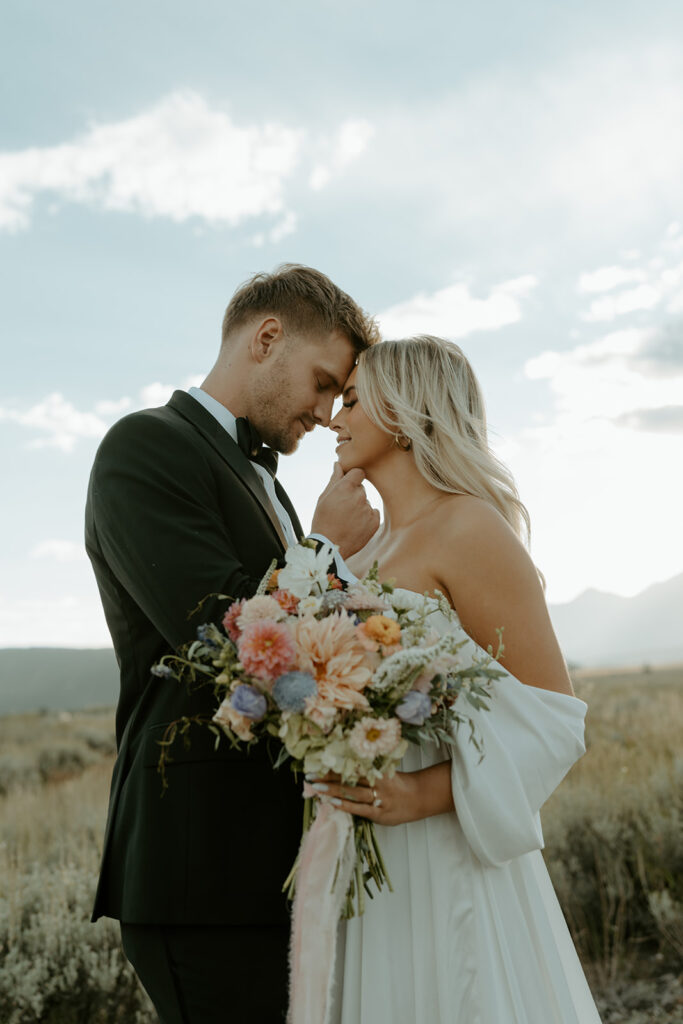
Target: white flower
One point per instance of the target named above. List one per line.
(233, 720)
(359, 598)
(258, 608)
(305, 570)
(395, 669)
(374, 736)
(309, 606)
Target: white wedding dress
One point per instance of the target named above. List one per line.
(473, 932)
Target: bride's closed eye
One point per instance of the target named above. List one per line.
(350, 404)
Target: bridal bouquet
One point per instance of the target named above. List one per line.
(343, 679)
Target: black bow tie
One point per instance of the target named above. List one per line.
(249, 440)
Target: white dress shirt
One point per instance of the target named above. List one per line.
(228, 422)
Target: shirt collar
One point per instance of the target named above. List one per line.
(218, 411)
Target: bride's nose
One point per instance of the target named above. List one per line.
(333, 422)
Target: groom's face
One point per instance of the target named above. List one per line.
(297, 386)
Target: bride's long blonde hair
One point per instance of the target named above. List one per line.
(424, 389)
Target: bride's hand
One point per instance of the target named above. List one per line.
(391, 801)
(406, 796)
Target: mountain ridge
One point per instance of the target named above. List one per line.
(596, 630)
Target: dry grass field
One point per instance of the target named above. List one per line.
(614, 843)
(613, 846)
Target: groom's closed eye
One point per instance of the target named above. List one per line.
(328, 384)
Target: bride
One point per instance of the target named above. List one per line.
(473, 932)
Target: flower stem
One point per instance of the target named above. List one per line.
(380, 858)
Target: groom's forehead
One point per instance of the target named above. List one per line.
(335, 358)
(350, 383)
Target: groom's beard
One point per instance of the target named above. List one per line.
(274, 415)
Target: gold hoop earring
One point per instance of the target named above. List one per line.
(403, 442)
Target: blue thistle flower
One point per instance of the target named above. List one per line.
(292, 689)
(205, 633)
(249, 701)
(162, 671)
(414, 708)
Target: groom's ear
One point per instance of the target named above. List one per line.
(268, 335)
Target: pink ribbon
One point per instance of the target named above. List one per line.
(326, 863)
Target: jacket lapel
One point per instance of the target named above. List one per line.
(229, 451)
(284, 499)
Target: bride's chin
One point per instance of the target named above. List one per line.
(346, 463)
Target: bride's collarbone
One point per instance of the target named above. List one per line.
(404, 573)
(409, 556)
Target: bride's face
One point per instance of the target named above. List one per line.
(360, 442)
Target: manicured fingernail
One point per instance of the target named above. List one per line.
(321, 787)
(329, 800)
(309, 776)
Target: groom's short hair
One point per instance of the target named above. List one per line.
(305, 300)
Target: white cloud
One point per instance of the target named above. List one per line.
(61, 425)
(604, 504)
(453, 312)
(286, 227)
(598, 476)
(607, 377)
(58, 420)
(156, 394)
(590, 138)
(179, 159)
(115, 408)
(153, 395)
(665, 419)
(659, 279)
(350, 142)
(583, 146)
(605, 278)
(60, 551)
(611, 306)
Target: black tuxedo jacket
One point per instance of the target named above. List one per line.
(175, 511)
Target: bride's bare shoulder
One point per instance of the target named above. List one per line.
(469, 532)
(464, 515)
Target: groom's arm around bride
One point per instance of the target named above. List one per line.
(177, 510)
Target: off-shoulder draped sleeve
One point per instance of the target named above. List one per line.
(531, 737)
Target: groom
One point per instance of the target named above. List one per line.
(183, 503)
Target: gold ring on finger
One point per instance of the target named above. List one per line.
(377, 800)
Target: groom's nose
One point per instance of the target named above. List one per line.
(323, 410)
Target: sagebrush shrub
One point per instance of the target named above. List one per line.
(55, 966)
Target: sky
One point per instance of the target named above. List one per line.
(507, 176)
